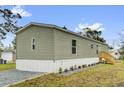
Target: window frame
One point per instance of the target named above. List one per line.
(97, 51)
(91, 46)
(74, 46)
(97, 46)
(33, 43)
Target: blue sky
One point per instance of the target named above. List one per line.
(111, 18)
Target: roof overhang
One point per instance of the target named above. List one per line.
(56, 27)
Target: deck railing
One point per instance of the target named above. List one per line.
(106, 57)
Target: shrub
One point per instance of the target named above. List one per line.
(92, 64)
(71, 68)
(66, 70)
(79, 67)
(60, 70)
(89, 65)
(84, 66)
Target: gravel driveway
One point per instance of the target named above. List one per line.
(12, 76)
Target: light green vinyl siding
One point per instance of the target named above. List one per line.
(53, 44)
(44, 45)
(63, 46)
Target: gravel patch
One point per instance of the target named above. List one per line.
(12, 76)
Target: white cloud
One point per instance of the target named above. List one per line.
(122, 32)
(76, 29)
(81, 27)
(96, 26)
(101, 29)
(19, 9)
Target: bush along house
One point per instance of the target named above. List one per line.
(47, 47)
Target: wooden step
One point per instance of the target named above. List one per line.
(106, 57)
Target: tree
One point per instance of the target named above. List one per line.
(8, 48)
(110, 47)
(8, 23)
(14, 43)
(64, 27)
(88, 32)
(121, 50)
(1, 48)
(94, 34)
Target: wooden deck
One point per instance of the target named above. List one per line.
(106, 57)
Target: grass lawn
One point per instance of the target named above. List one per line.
(7, 66)
(100, 75)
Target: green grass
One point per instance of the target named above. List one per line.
(7, 66)
(103, 75)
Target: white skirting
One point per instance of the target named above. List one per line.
(50, 65)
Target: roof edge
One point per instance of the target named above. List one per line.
(57, 27)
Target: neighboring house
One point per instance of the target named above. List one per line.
(115, 53)
(8, 55)
(46, 48)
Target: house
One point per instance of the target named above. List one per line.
(46, 47)
(8, 55)
(115, 53)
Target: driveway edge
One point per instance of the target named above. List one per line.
(25, 80)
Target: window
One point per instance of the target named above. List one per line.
(33, 44)
(97, 46)
(91, 46)
(116, 53)
(73, 46)
(97, 51)
(73, 50)
(33, 47)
